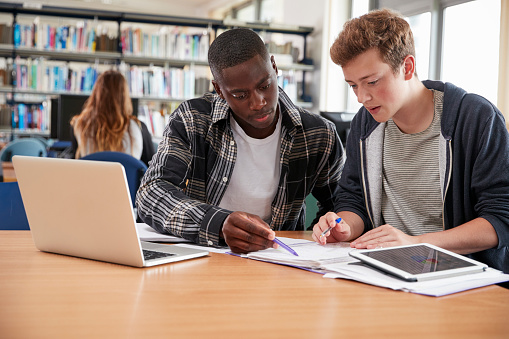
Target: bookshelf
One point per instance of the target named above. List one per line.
(49, 51)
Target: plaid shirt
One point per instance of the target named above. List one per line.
(189, 174)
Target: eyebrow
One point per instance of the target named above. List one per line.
(239, 90)
(363, 78)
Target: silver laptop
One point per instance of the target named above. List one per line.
(83, 209)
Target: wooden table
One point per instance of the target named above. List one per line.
(44, 295)
(8, 171)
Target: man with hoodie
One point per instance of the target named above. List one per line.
(426, 161)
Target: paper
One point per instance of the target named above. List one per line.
(147, 233)
(437, 287)
(311, 254)
(333, 260)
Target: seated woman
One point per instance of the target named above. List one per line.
(106, 122)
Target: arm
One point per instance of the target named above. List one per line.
(473, 236)
(351, 227)
(476, 213)
(163, 199)
(327, 182)
(245, 232)
(173, 195)
(349, 197)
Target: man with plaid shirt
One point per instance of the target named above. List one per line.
(237, 165)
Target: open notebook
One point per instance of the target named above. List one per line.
(83, 209)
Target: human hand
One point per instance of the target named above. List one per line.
(338, 231)
(245, 232)
(383, 236)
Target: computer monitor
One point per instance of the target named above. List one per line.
(64, 107)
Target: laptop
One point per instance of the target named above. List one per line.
(83, 209)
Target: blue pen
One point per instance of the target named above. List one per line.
(285, 246)
(338, 220)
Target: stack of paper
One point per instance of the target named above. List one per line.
(436, 288)
(311, 255)
(335, 262)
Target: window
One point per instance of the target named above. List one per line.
(456, 41)
(471, 52)
(359, 7)
(421, 28)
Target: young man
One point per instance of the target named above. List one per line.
(237, 165)
(426, 161)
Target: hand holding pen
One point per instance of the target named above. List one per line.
(324, 233)
(322, 230)
(245, 232)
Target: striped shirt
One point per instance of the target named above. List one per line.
(189, 174)
(411, 198)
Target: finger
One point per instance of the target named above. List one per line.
(240, 246)
(318, 229)
(331, 219)
(370, 235)
(243, 225)
(247, 241)
(314, 237)
(387, 240)
(252, 224)
(322, 238)
(380, 242)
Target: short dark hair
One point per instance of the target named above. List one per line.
(234, 47)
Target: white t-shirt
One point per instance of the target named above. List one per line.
(256, 173)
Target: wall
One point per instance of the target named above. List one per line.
(311, 14)
(334, 93)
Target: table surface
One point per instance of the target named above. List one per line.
(8, 171)
(44, 295)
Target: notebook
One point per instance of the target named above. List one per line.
(83, 209)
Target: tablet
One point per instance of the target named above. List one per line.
(418, 262)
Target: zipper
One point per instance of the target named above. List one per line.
(364, 185)
(447, 183)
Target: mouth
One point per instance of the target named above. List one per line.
(373, 109)
(262, 117)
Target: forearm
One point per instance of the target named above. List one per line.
(473, 236)
(167, 209)
(355, 222)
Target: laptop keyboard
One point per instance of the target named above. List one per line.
(155, 255)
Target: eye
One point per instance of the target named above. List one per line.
(373, 82)
(239, 96)
(266, 86)
(352, 86)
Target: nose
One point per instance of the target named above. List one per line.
(257, 101)
(362, 95)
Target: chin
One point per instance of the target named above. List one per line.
(380, 119)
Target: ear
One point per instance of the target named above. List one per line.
(218, 89)
(273, 63)
(409, 66)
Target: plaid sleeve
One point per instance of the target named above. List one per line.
(162, 200)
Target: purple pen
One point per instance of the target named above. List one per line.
(285, 246)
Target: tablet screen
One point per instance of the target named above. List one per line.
(418, 259)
